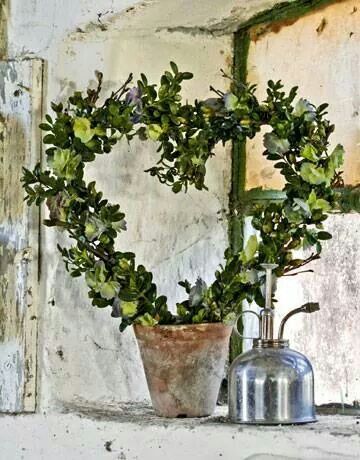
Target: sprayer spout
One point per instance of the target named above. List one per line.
(309, 307)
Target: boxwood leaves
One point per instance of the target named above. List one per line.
(274, 144)
(186, 134)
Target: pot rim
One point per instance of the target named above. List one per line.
(184, 326)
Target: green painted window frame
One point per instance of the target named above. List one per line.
(285, 11)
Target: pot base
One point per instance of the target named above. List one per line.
(277, 422)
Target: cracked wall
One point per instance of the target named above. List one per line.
(82, 355)
(175, 236)
(320, 54)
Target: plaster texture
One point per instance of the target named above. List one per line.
(175, 236)
(326, 68)
(81, 355)
(330, 337)
(319, 53)
(134, 433)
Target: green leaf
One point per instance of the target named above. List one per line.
(199, 317)
(45, 127)
(309, 152)
(312, 174)
(315, 203)
(336, 159)
(304, 107)
(176, 187)
(82, 129)
(181, 310)
(187, 75)
(230, 318)
(64, 163)
(49, 139)
(96, 278)
(109, 290)
(231, 101)
(295, 217)
(324, 236)
(94, 228)
(119, 226)
(250, 248)
(312, 199)
(128, 309)
(275, 145)
(303, 205)
(154, 131)
(146, 320)
(91, 280)
(174, 68)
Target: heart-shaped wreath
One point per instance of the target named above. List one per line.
(186, 135)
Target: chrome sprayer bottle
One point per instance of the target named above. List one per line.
(272, 384)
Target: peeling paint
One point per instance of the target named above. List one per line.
(7, 72)
(3, 27)
(18, 236)
(176, 236)
(332, 79)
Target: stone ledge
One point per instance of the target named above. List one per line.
(133, 432)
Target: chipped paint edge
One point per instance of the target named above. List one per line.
(31, 316)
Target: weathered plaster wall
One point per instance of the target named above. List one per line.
(176, 236)
(82, 356)
(330, 337)
(320, 54)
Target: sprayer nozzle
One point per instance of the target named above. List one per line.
(310, 307)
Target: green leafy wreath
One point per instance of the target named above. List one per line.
(186, 135)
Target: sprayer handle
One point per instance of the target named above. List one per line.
(236, 322)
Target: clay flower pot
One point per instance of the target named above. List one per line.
(184, 366)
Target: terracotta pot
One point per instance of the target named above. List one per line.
(184, 366)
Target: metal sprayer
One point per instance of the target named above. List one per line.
(271, 384)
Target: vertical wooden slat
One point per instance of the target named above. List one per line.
(20, 114)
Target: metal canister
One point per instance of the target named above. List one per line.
(272, 384)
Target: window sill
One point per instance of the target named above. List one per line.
(131, 431)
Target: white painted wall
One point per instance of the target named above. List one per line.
(326, 67)
(175, 236)
(82, 355)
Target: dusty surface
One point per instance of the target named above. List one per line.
(134, 433)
